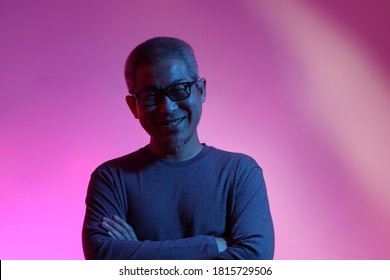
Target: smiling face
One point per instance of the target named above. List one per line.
(172, 126)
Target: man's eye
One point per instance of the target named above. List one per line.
(179, 87)
(178, 90)
(149, 96)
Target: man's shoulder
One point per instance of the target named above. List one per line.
(233, 164)
(230, 156)
(129, 161)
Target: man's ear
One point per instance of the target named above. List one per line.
(132, 103)
(201, 85)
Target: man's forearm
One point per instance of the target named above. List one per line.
(199, 247)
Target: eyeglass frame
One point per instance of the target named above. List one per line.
(166, 92)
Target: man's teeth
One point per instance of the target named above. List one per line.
(173, 123)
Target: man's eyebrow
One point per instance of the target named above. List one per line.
(150, 87)
(176, 81)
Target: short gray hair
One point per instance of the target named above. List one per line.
(155, 50)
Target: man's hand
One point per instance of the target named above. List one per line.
(221, 243)
(118, 229)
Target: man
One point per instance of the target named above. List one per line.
(175, 198)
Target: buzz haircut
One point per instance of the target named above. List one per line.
(157, 49)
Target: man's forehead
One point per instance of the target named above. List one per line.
(162, 73)
(166, 62)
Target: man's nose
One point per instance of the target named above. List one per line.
(167, 105)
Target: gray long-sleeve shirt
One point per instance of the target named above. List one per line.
(178, 208)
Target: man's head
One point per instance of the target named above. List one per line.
(166, 94)
(158, 49)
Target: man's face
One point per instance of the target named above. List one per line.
(170, 124)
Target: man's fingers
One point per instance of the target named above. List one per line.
(221, 244)
(115, 225)
(133, 235)
(128, 228)
(110, 234)
(119, 228)
(108, 225)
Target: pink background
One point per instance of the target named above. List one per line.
(302, 86)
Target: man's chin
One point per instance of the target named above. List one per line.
(175, 144)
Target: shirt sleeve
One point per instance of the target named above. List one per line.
(104, 199)
(250, 223)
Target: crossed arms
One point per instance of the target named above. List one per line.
(120, 230)
(109, 232)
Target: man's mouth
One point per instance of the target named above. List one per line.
(172, 123)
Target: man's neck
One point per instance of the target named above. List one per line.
(181, 153)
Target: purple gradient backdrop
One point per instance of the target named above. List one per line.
(302, 86)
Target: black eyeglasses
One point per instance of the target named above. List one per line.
(175, 92)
